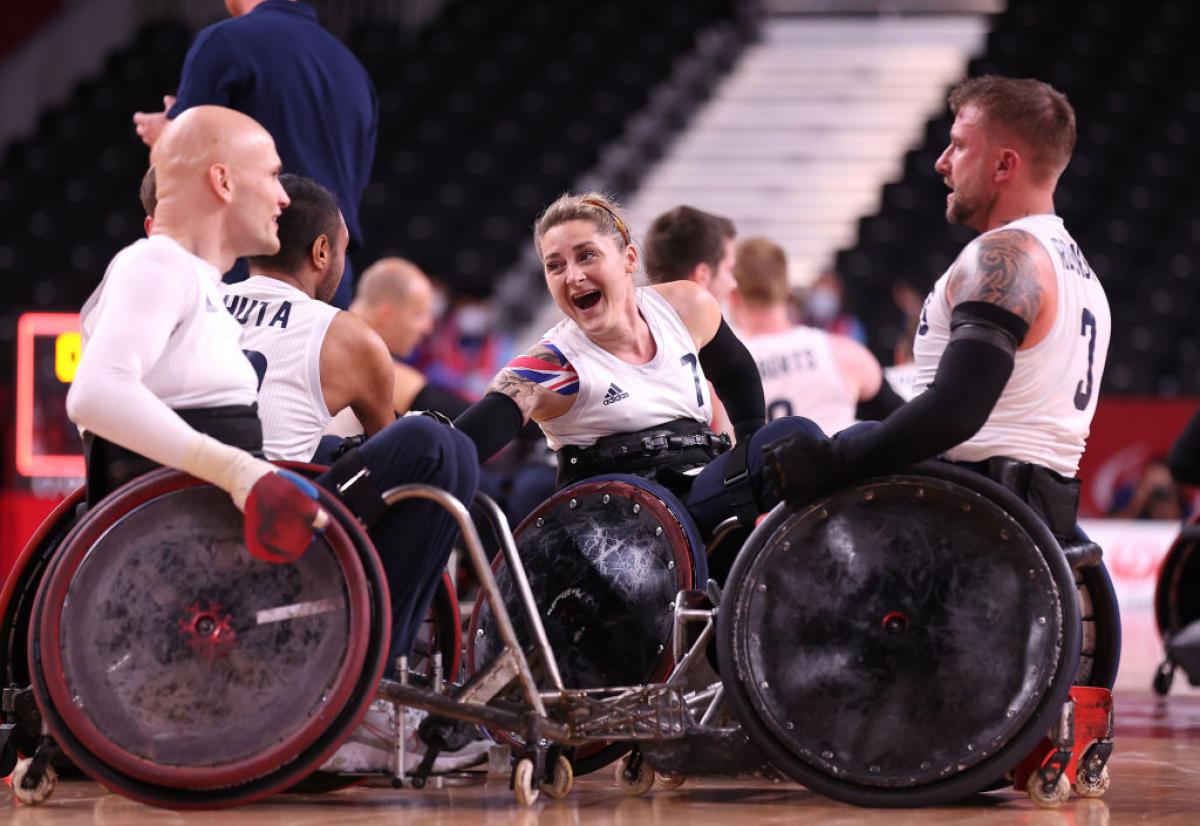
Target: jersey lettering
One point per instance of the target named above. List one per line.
(281, 315)
(1071, 257)
(252, 311)
(780, 365)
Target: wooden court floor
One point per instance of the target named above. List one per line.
(1155, 779)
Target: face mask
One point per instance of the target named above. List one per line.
(823, 304)
(474, 320)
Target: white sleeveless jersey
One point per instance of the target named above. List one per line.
(1045, 412)
(618, 397)
(801, 378)
(282, 332)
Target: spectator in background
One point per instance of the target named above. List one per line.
(1155, 496)
(466, 350)
(275, 63)
(688, 244)
(396, 299)
(824, 307)
(828, 378)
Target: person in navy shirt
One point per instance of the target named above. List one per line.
(274, 62)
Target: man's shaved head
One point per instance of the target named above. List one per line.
(199, 138)
(396, 299)
(217, 171)
(390, 279)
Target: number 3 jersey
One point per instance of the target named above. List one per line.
(1045, 412)
(282, 332)
(617, 397)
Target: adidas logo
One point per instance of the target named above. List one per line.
(614, 394)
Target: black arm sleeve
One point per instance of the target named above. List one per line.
(492, 422)
(730, 367)
(1184, 458)
(883, 404)
(440, 399)
(971, 375)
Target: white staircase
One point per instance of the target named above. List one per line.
(799, 140)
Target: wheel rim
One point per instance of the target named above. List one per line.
(829, 737)
(246, 779)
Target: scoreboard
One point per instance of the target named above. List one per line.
(47, 443)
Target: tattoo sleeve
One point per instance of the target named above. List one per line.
(1002, 271)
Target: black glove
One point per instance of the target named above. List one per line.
(346, 445)
(802, 465)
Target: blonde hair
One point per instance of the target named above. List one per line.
(601, 210)
(761, 272)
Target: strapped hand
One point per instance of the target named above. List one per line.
(283, 516)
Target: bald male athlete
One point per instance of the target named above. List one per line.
(395, 298)
(163, 380)
(158, 306)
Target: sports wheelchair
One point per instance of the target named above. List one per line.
(1177, 608)
(905, 641)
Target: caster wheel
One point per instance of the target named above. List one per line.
(40, 793)
(671, 781)
(1163, 677)
(1084, 788)
(564, 777)
(522, 783)
(1052, 799)
(640, 784)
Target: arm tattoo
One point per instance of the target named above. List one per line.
(522, 391)
(543, 366)
(1002, 272)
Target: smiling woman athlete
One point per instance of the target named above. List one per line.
(621, 384)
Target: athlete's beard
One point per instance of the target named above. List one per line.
(967, 211)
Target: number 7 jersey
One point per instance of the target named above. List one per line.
(1045, 412)
(617, 397)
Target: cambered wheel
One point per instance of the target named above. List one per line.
(642, 779)
(562, 780)
(924, 633)
(39, 793)
(607, 616)
(1049, 799)
(523, 785)
(215, 613)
